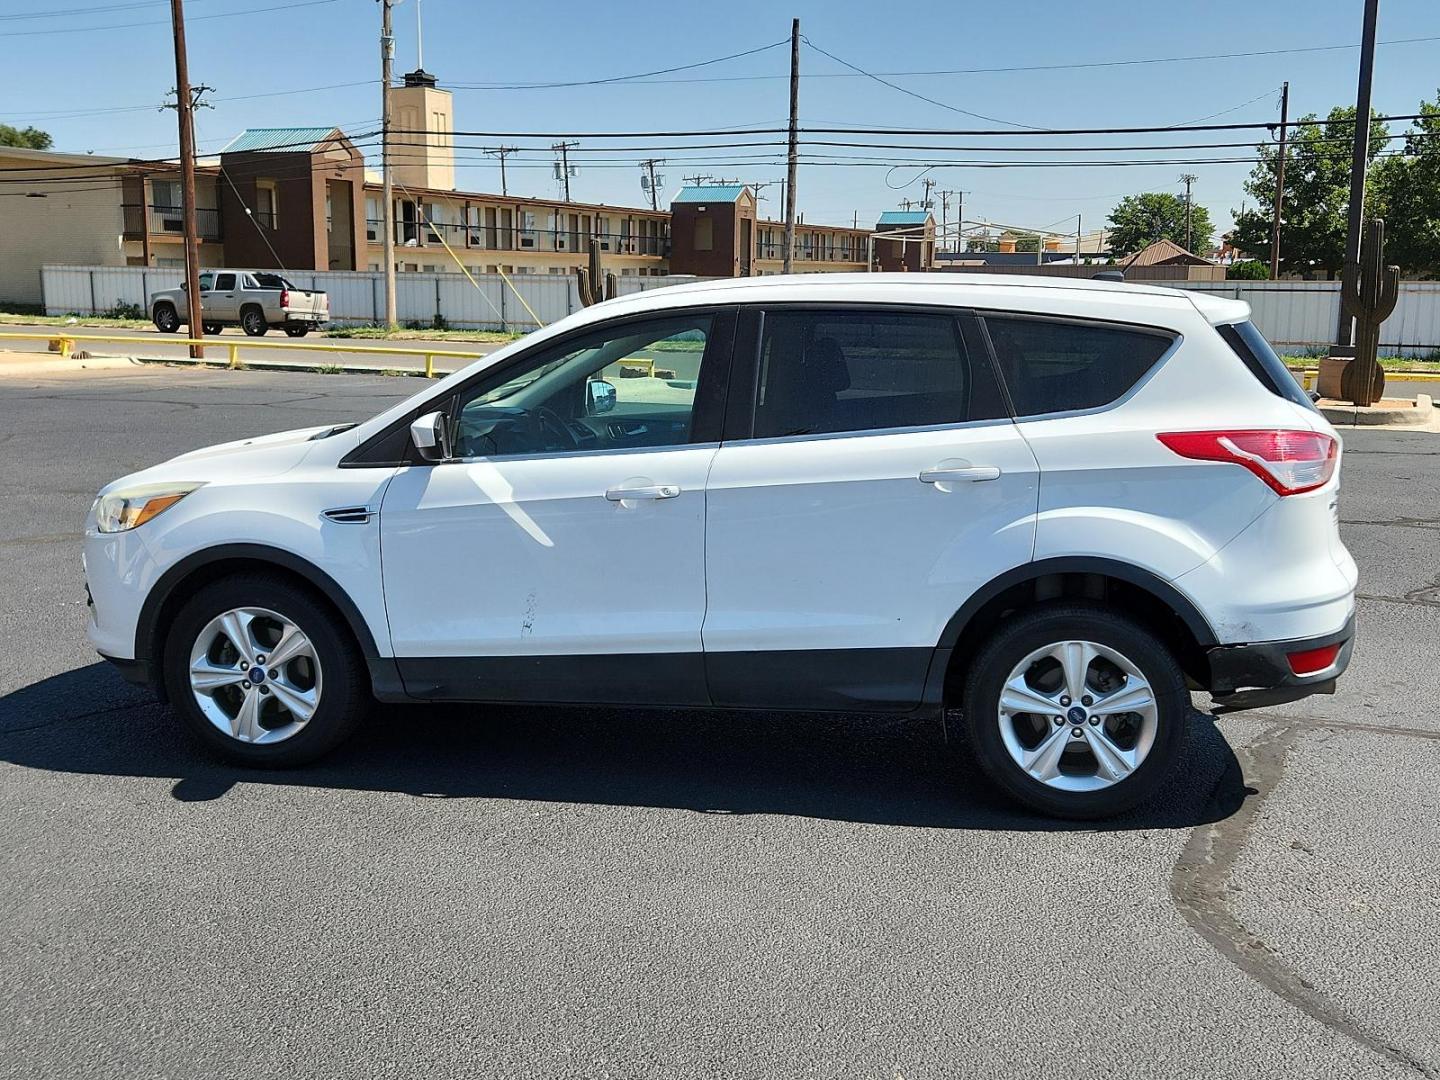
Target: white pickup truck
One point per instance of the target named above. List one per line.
(253, 300)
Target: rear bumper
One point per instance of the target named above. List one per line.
(315, 317)
(1255, 675)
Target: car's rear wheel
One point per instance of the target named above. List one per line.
(252, 321)
(296, 330)
(166, 318)
(1076, 711)
(264, 672)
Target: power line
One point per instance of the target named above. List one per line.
(127, 26)
(18, 16)
(623, 78)
(914, 94)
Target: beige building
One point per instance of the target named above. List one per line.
(85, 210)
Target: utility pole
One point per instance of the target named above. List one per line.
(564, 150)
(1279, 184)
(926, 203)
(1077, 239)
(1359, 162)
(792, 153)
(945, 216)
(649, 165)
(502, 152)
(1187, 179)
(387, 190)
(185, 110)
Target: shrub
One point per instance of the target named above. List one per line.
(1247, 270)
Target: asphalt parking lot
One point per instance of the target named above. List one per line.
(525, 892)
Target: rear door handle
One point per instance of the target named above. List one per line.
(649, 491)
(973, 473)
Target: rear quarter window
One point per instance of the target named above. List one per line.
(1262, 361)
(1056, 365)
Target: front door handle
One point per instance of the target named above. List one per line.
(973, 473)
(648, 491)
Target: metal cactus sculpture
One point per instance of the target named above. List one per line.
(590, 281)
(1368, 290)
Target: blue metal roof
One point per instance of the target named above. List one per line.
(904, 217)
(709, 193)
(278, 140)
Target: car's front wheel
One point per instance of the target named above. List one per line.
(1076, 711)
(264, 672)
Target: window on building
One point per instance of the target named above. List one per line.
(373, 222)
(267, 208)
(704, 234)
(1053, 365)
(863, 371)
(165, 194)
(527, 229)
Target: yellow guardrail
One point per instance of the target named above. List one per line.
(1308, 376)
(64, 345)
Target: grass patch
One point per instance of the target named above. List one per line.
(380, 333)
(329, 369)
(1389, 363)
(105, 321)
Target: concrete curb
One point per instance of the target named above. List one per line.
(284, 365)
(1420, 414)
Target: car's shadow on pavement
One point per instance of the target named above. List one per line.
(882, 770)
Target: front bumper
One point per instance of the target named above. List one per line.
(1256, 675)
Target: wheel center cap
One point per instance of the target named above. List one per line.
(1076, 715)
(257, 675)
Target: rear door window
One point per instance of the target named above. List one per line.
(224, 282)
(1058, 365)
(825, 371)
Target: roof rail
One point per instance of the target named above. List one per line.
(1108, 275)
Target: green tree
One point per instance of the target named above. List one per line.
(1407, 194)
(1139, 220)
(31, 138)
(1317, 194)
(1027, 241)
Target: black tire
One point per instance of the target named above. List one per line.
(345, 692)
(212, 327)
(166, 318)
(1021, 635)
(252, 321)
(296, 330)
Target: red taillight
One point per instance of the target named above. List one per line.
(284, 297)
(1312, 660)
(1289, 461)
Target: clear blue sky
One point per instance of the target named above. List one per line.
(61, 70)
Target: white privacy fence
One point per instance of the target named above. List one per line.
(1303, 314)
(356, 298)
(1292, 314)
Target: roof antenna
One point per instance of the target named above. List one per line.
(419, 39)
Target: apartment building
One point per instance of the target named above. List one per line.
(301, 198)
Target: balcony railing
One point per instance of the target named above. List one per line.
(498, 238)
(169, 221)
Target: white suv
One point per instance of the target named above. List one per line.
(1057, 507)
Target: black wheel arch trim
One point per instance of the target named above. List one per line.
(147, 624)
(1152, 583)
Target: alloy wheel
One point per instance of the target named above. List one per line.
(255, 675)
(1077, 716)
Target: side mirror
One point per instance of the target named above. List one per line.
(431, 436)
(599, 396)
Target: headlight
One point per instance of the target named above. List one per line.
(129, 508)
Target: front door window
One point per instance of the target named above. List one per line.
(626, 386)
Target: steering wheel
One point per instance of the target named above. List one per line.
(547, 418)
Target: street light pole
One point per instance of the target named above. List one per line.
(185, 110)
(387, 191)
(1359, 162)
